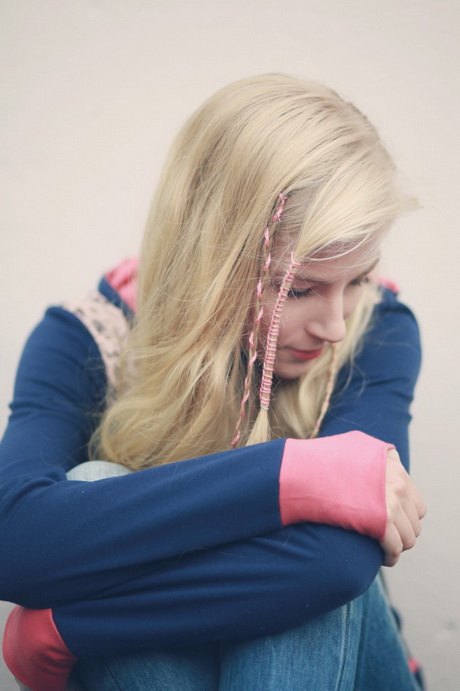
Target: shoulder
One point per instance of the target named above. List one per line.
(107, 313)
(394, 322)
(66, 369)
(390, 350)
(105, 323)
(81, 336)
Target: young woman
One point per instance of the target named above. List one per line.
(263, 389)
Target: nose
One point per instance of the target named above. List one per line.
(328, 323)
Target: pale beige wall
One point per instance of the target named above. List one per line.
(93, 92)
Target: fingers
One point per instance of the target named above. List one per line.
(403, 512)
(399, 536)
(414, 507)
(418, 500)
(405, 509)
(392, 546)
(410, 514)
(407, 534)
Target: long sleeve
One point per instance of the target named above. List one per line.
(79, 539)
(187, 551)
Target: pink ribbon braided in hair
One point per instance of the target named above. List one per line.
(272, 336)
(252, 339)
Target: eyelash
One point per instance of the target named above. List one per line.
(295, 293)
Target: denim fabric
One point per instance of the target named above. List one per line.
(353, 648)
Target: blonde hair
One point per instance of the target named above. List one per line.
(203, 253)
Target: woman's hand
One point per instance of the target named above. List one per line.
(405, 509)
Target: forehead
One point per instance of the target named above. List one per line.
(332, 263)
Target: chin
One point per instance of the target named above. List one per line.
(292, 370)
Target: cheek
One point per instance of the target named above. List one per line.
(291, 317)
(295, 317)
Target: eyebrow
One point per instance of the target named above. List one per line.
(355, 278)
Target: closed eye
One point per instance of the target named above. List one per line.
(360, 281)
(307, 292)
(297, 293)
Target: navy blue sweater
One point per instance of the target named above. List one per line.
(188, 552)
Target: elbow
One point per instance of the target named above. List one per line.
(18, 585)
(356, 564)
(25, 578)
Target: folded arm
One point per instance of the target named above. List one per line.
(97, 552)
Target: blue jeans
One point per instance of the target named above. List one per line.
(354, 648)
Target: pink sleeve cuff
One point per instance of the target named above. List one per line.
(337, 480)
(34, 650)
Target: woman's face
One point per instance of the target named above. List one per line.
(323, 294)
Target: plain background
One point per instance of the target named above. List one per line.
(92, 94)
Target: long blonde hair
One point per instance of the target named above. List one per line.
(184, 369)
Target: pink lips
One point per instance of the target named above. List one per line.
(306, 354)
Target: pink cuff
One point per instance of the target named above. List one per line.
(337, 480)
(34, 650)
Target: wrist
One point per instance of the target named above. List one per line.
(338, 480)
